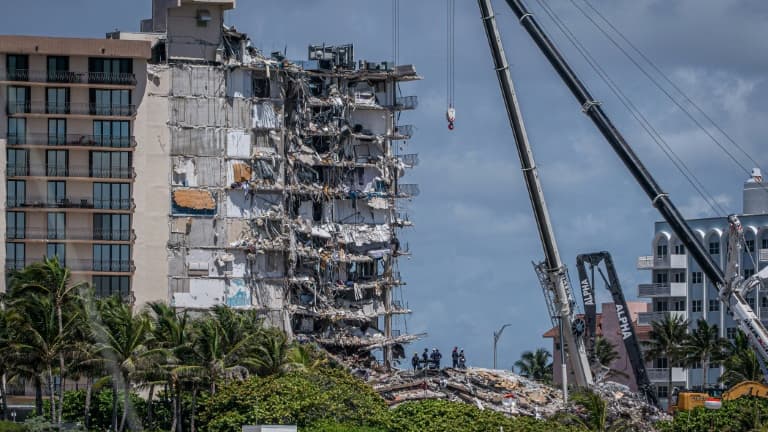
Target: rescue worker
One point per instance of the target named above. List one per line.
(415, 362)
(462, 360)
(455, 357)
(425, 358)
(436, 356)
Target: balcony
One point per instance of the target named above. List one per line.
(406, 103)
(70, 109)
(69, 203)
(409, 160)
(89, 141)
(646, 318)
(407, 190)
(66, 77)
(763, 255)
(662, 374)
(674, 289)
(80, 265)
(402, 132)
(673, 261)
(107, 173)
(77, 234)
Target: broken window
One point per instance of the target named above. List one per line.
(261, 87)
(317, 211)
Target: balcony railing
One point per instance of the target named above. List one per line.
(409, 160)
(66, 77)
(403, 131)
(73, 203)
(92, 109)
(662, 374)
(40, 233)
(69, 171)
(646, 318)
(71, 140)
(408, 190)
(107, 266)
(675, 261)
(406, 103)
(674, 289)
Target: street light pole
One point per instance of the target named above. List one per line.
(496, 336)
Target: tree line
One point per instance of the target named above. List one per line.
(54, 331)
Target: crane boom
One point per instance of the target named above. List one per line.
(554, 270)
(730, 287)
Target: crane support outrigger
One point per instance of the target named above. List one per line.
(552, 271)
(730, 285)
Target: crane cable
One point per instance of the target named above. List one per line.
(666, 78)
(634, 111)
(451, 62)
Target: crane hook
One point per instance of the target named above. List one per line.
(451, 116)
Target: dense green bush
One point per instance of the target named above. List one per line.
(439, 416)
(101, 407)
(6, 426)
(303, 398)
(743, 414)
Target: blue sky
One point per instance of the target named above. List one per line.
(474, 238)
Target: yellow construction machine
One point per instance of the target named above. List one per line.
(685, 400)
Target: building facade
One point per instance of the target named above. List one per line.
(181, 164)
(679, 287)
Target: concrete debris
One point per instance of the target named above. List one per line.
(197, 199)
(502, 391)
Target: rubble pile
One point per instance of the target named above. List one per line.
(503, 391)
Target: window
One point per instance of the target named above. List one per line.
(115, 196)
(695, 365)
(57, 226)
(660, 363)
(112, 133)
(714, 305)
(750, 245)
(317, 211)
(765, 243)
(110, 102)
(17, 192)
(18, 100)
(696, 306)
(57, 100)
(110, 164)
(662, 392)
(751, 302)
(58, 69)
(678, 305)
(17, 162)
(661, 251)
(15, 223)
(110, 70)
(764, 302)
(112, 227)
(55, 250)
(662, 278)
(714, 365)
(661, 306)
(748, 272)
(57, 131)
(678, 277)
(14, 255)
(679, 249)
(17, 131)
(730, 332)
(17, 67)
(57, 193)
(272, 262)
(107, 286)
(697, 277)
(115, 258)
(714, 248)
(56, 164)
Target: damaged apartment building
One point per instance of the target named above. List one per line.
(256, 181)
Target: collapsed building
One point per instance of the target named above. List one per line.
(285, 189)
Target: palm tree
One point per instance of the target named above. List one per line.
(305, 357)
(605, 351)
(701, 345)
(273, 350)
(535, 365)
(593, 414)
(50, 278)
(740, 362)
(665, 339)
(122, 340)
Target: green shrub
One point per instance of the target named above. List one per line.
(6, 426)
(743, 414)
